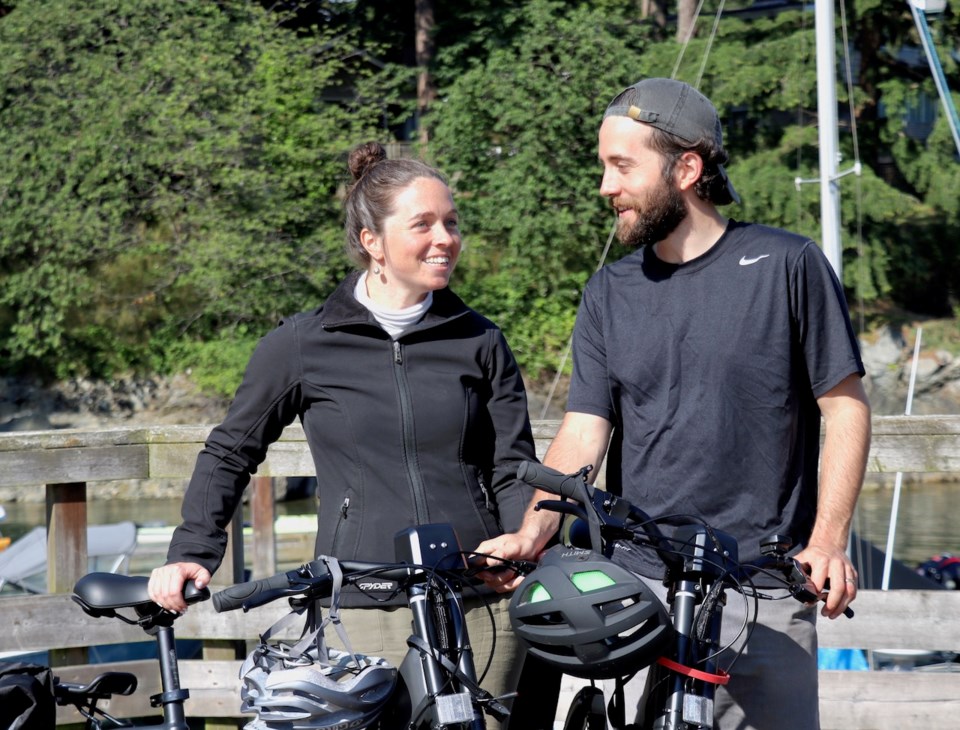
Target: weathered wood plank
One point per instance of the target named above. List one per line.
(35, 623)
(81, 464)
(897, 620)
(136, 705)
(900, 443)
(75, 438)
(863, 700)
(263, 516)
(927, 620)
(214, 689)
(889, 700)
(66, 550)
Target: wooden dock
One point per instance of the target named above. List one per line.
(68, 465)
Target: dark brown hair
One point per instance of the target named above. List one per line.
(711, 186)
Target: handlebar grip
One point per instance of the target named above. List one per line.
(550, 480)
(251, 594)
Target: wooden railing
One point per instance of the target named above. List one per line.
(68, 464)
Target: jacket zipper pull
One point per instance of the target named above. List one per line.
(397, 355)
(344, 506)
(486, 492)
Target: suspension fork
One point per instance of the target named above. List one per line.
(453, 633)
(706, 556)
(686, 598)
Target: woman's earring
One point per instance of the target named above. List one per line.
(376, 269)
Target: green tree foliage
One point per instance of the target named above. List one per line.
(517, 133)
(171, 174)
(172, 169)
(518, 130)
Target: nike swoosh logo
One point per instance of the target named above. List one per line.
(744, 261)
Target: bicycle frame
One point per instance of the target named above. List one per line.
(438, 670)
(678, 697)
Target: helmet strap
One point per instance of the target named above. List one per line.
(315, 623)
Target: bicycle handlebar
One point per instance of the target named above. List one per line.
(314, 580)
(253, 593)
(612, 512)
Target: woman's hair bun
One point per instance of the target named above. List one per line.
(364, 157)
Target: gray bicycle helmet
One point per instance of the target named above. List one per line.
(589, 617)
(344, 690)
(307, 685)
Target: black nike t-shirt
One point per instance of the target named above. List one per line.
(709, 372)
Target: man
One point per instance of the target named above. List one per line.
(703, 362)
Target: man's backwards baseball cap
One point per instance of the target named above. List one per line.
(674, 107)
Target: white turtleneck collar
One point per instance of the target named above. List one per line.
(394, 321)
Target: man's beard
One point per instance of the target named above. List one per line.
(659, 216)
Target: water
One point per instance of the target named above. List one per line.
(927, 524)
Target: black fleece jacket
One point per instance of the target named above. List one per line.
(425, 429)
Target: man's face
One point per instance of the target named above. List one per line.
(648, 204)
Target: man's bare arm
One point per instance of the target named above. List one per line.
(846, 416)
(581, 440)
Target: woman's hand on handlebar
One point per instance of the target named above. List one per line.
(165, 587)
(511, 546)
(832, 575)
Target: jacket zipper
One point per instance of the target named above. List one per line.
(415, 479)
(486, 492)
(343, 518)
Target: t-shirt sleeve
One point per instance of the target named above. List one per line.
(590, 386)
(823, 322)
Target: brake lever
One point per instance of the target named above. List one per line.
(558, 505)
(798, 587)
(520, 567)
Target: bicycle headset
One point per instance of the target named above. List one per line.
(307, 685)
(589, 617)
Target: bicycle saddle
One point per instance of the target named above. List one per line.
(103, 686)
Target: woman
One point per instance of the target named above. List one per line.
(411, 402)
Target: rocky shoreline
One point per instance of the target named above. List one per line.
(26, 405)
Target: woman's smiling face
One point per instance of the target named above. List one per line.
(419, 246)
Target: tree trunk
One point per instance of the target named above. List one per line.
(426, 89)
(655, 10)
(686, 16)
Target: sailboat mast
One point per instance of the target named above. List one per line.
(828, 134)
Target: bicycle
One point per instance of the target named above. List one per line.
(437, 687)
(701, 566)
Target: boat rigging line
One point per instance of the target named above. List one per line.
(920, 10)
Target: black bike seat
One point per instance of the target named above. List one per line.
(103, 686)
(107, 591)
